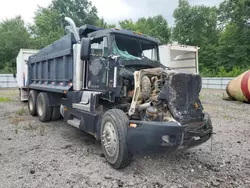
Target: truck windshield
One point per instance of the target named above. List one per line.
(131, 48)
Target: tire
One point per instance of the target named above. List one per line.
(55, 113)
(114, 134)
(32, 102)
(62, 111)
(44, 111)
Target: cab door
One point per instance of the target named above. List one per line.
(98, 65)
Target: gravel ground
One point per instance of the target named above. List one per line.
(34, 154)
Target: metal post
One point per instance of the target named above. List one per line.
(197, 62)
(55, 72)
(7, 81)
(64, 70)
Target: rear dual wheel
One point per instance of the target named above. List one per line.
(38, 104)
(32, 99)
(55, 113)
(44, 111)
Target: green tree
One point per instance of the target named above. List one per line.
(155, 26)
(49, 22)
(197, 25)
(234, 42)
(128, 24)
(13, 36)
(101, 23)
(81, 11)
(47, 28)
(234, 11)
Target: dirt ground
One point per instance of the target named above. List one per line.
(34, 154)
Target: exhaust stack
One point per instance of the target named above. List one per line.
(78, 64)
(73, 26)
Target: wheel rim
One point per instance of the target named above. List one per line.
(109, 139)
(30, 104)
(39, 107)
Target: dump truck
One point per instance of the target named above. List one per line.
(111, 84)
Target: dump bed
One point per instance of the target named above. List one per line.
(51, 69)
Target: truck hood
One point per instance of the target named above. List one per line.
(145, 63)
(130, 66)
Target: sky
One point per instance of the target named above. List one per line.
(111, 10)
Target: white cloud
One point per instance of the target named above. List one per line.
(111, 10)
(122, 9)
(25, 8)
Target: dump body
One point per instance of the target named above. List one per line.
(180, 57)
(51, 69)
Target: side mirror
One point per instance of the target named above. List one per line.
(85, 49)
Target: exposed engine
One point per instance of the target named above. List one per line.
(162, 95)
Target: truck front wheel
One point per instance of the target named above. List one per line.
(44, 111)
(114, 133)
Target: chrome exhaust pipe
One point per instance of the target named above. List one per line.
(73, 26)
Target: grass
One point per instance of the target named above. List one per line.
(15, 119)
(9, 92)
(201, 97)
(30, 127)
(42, 129)
(20, 112)
(5, 99)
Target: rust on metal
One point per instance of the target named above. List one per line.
(239, 87)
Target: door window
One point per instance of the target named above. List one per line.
(99, 47)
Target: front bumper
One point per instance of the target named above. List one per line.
(152, 136)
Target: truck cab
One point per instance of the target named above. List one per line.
(110, 83)
(129, 50)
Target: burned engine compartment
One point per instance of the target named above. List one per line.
(157, 94)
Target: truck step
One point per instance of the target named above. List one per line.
(80, 106)
(75, 122)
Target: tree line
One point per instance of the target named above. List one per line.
(222, 33)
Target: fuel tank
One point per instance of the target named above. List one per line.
(239, 87)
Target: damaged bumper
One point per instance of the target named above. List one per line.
(152, 136)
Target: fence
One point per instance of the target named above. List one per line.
(7, 80)
(216, 82)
